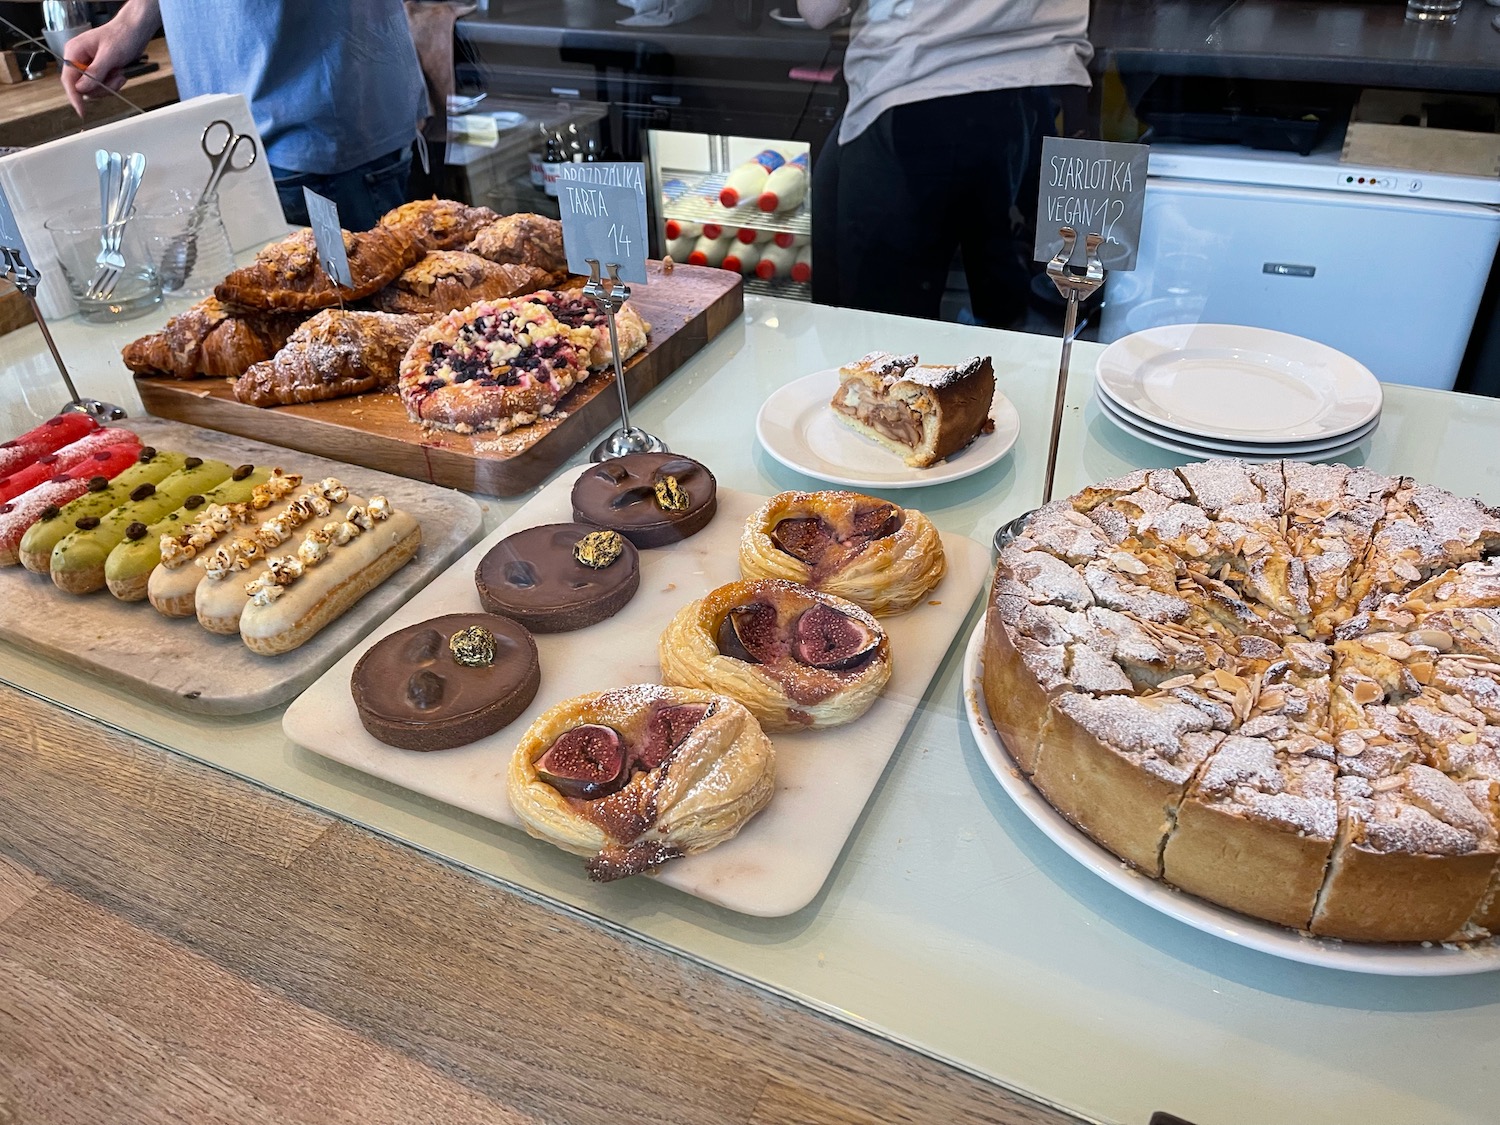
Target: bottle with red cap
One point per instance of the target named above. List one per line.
(709, 251)
(776, 263)
(679, 249)
(743, 258)
(749, 179)
(713, 231)
(681, 228)
(802, 267)
(747, 235)
(786, 187)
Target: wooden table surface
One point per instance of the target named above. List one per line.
(178, 945)
(37, 111)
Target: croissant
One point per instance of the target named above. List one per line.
(334, 354)
(452, 279)
(526, 239)
(287, 274)
(438, 224)
(209, 339)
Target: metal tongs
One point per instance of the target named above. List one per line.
(26, 278)
(181, 254)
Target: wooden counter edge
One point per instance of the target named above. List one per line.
(217, 896)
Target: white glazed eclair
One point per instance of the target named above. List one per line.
(174, 580)
(220, 597)
(297, 594)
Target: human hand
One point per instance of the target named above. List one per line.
(105, 52)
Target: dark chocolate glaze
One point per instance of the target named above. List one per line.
(534, 577)
(412, 693)
(620, 494)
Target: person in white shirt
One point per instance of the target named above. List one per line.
(948, 104)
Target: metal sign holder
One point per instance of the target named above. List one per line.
(611, 296)
(26, 279)
(1074, 283)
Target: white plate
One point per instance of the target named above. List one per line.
(777, 865)
(785, 20)
(798, 428)
(1115, 415)
(1207, 450)
(1289, 448)
(1234, 383)
(1385, 960)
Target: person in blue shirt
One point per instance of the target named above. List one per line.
(334, 86)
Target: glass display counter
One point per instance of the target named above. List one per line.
(950, 924)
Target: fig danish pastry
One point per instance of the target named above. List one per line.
(879, 556)
(796, 657)
(640, 775)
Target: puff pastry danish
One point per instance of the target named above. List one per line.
(640, 775)
(879, 556)
(796, 657)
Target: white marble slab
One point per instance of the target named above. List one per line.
(781, 859)
(174, 661)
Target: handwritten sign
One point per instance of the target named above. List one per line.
(1095, 187)
(10, 231)
(604, 216)
(329, 235)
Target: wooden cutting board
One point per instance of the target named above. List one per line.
(176, 662)
(686, 308)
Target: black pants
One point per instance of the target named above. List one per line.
(363, 194)
(924, 181)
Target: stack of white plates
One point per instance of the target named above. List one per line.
(1217, 390)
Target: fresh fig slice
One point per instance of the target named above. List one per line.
(748, 633)
(825, 638)
(666, 729)
(879, 522)
(585, 762)
(803, 537)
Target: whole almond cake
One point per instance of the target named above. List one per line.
(1269, 685)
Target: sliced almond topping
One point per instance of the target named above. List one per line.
(1440, 639)
(1386, 784)
(1367, 691)
(1177, 682)
(1349, 744)
(1128, 563)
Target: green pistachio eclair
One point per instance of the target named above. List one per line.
(47, 532)
(130, 564)
(78, 559)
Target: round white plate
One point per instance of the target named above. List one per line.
(1289, 448)
(1384, 960)
(785, 20)
(1226, 381)
(1337, 449)
(1157, 435)
(798, 428)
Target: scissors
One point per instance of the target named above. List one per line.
(223, 157)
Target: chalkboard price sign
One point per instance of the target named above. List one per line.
(1095, 187)
(329, 235)
(10, 231)
(604, 216)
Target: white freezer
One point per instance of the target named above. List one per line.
(1392, 279)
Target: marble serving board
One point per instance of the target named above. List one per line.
(777, 864)
(176, 662)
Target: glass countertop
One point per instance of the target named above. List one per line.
(949, 924)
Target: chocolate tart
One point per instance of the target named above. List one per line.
(652, 499)
(447, 681)
(559, 577)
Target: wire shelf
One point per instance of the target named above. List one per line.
(695, 199)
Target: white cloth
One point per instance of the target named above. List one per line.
(904, 51)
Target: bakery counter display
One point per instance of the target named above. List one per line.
(641, 694)
(1273, 687)
(463, 354)
(209, 573)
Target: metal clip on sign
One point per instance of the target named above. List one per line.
(1074, 283)
(25, 279)
(611, 299)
